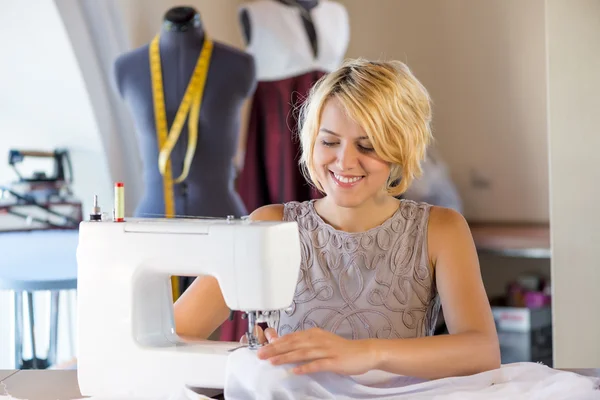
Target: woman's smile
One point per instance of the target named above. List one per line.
(345, 181)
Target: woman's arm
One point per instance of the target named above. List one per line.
(472, 345)
(201, 309)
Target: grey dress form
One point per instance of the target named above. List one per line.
(209, 188)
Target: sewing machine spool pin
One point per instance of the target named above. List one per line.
(96, 214)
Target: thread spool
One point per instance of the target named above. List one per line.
(119, 202)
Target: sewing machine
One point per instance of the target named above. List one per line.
(127, 345)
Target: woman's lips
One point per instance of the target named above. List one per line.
(345, 181)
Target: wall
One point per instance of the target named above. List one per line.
(43, 105)
(144, 19)
(573, 34)
(483, 63)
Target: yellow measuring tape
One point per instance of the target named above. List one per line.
(192, 99)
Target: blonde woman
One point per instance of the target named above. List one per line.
(375, 269)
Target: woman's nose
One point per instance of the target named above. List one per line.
(347, 157)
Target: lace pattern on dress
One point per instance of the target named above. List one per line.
(373, 284)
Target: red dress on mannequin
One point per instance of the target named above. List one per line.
(271, 173)
(286, 70)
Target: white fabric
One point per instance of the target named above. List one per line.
(280, 44)
(251, 378)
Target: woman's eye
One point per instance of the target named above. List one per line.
(366, 149)
(326, 143)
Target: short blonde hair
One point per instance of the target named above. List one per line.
(388, 102)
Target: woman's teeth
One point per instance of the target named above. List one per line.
(345, 179)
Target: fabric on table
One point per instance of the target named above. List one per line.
(251, 378)
(248, 378)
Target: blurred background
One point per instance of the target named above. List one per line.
(514, 85)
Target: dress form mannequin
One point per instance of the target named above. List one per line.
(294, 43)
(208, 190)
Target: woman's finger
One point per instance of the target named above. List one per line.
(258, 332)
(298, 356)
(286, 344)
(271, 335)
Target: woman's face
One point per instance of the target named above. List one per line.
(346, 164)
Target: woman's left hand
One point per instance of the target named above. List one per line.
(321, 350)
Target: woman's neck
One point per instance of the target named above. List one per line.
(357, 219)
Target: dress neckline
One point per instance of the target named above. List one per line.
(298, 6)
(375, 229)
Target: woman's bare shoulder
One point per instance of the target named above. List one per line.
(270, 212)
(445, 218)
(447, 228)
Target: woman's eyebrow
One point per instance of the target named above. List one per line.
(335, 134)
(328, 131)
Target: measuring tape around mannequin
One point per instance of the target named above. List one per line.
(191, 103)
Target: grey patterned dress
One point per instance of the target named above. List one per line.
(373, 284)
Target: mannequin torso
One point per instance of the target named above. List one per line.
(209, 188)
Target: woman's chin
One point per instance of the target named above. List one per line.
(346, 200)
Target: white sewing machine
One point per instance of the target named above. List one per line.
(127, 345)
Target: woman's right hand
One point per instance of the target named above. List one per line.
(269, 335)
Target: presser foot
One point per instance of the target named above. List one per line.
(252, 339)
(252, 343)
(255, 317)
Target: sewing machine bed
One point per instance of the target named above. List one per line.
(54, 385)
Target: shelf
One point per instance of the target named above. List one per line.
(512, 240)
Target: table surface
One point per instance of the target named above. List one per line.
(517, 240)
(49, 385)
(39, 260)
(62, 384)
